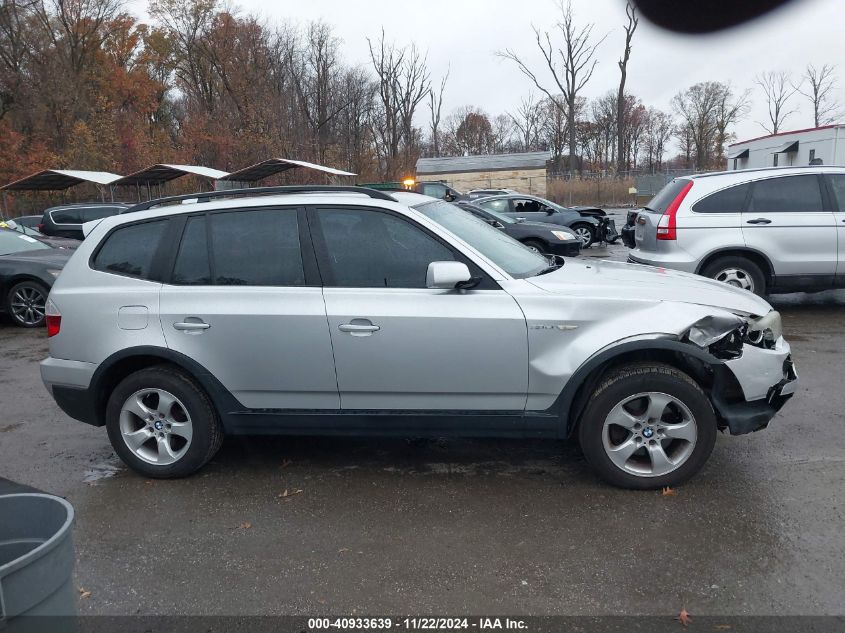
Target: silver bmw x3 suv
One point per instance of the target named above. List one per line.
(348, 311)
(771, 230)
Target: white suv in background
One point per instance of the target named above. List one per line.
(348, 311)
(780, 229)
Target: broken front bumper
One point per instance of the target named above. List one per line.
(767, 379)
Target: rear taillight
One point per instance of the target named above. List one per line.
(667, 227)
(53, 318)
(40, 228)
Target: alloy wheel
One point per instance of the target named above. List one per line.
(736, 277)
(28, 305)
(649, 434)
(155, 426)
(583, 234)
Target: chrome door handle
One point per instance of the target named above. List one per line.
(759, 221)
(188, 326)
(352, 328)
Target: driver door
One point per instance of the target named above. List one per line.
(399, 345)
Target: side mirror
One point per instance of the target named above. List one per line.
(497, 224)
(447, 275)
(449, 196)
(550, 211)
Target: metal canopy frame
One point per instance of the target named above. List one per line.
(273, 166)
(60, 180)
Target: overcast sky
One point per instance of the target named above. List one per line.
(464, 35)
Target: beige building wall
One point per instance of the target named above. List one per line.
(531, 181)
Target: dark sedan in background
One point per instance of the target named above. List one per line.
(28, 268)
(582, 220)
(549, 240)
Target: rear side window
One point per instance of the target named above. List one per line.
(730, 200)
(795, 194)
(496, 205)
(130, 250)
(664, 197)
(67, 216)
(837, 183)
(193, 267)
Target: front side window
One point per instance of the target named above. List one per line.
(730, 200)
(788, 194)
(130, 250)
(373, 249)
(193, 267)
(500, 205)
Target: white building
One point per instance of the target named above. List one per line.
(823, 145)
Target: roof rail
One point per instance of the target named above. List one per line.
(260, 191)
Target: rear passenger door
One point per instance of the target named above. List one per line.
(837, 192)
(244, 300)
(788, 221)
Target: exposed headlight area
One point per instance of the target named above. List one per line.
(563, 235)
(765, 331)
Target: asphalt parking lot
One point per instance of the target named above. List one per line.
(507, 527)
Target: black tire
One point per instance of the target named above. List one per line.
(583, 226)
(631, 380)
(744, 267)
(30, 317)
(207, 431)
(537, 246)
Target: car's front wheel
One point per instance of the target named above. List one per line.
(585, 233)
(162, 424)
(25, 303)
(647, 426)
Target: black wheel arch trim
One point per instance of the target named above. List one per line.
(571, 401)
(101, 380)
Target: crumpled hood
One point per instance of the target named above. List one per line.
(620, 280)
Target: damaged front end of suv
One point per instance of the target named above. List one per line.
(752, 374)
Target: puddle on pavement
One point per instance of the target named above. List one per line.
(100, 471)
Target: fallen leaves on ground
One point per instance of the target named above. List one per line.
(343, 550)
(684, 617)
(289, 493)
(244, 526)
(286, 463)
(84, 593)
(722, 627)
(668, 492)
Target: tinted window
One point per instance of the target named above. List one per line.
(192, 266)
(130, 250)
(256, 248)
(729, 200)
(789, 193)
(837, 182)
(67, 216)
(97, 213)
(370, 249)
(496, 205)
(664, 197)
(434, 190)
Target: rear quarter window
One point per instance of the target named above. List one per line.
(131, 250)
(730, 200)
(664, 197)
(66, 216)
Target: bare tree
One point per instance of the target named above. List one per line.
(822, 83)
(527, 120)
(778, 90)
(571, 72)
(630, 28)
(659, 128)
(729, 110)
(705, 109)
(435, 104)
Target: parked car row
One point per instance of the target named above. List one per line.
(190, 318)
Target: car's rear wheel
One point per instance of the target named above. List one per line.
(585, 233)
(25, 303)
(737, 271)
(536, 246)
(647, 426)
(162, 424)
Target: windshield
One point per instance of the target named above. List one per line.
(498, 247)
(13, 242)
